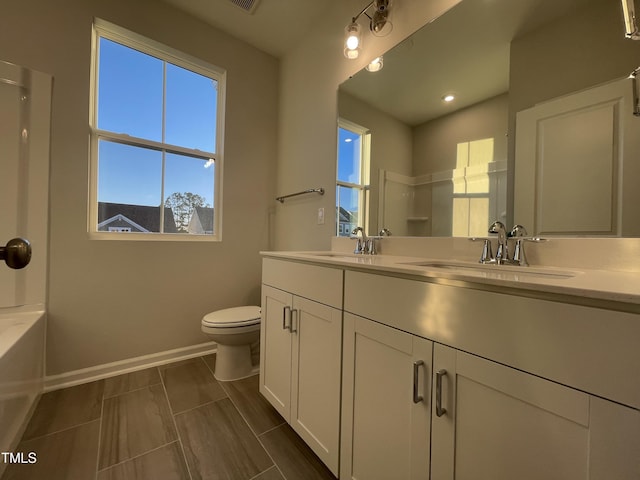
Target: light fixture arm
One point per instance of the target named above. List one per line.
(363, 11)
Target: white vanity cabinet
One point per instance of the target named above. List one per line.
(503, 410)
(300, 351)
(386, 399)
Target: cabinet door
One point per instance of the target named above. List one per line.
(386, 402)
(499, 423)
(315, 382)
(275, 349)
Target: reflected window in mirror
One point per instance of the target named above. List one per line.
(352, 182)
(471, 188)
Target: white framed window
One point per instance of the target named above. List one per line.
(157, 129)
(352, 183)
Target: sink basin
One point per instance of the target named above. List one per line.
(336, 255)
(495, 269)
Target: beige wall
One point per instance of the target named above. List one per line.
(435, 142)
(310, 76)
(113, 300)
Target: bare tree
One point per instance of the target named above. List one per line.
(183, 205)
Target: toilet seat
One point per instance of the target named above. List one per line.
(232, 317)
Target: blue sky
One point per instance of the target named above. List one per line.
(130, 101)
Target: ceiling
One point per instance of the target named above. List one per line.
(465, 52)
(273, 27)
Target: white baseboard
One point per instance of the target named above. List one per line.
(98, 372)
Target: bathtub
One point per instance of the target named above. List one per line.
(21, 370)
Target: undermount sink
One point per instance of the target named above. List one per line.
(336, 255)
(495, 269)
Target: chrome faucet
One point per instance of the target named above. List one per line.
(502, 252)
(518, 232)
(362, 243)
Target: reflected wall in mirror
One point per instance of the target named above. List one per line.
(449, 168)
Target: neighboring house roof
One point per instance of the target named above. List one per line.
(140, 218)
(345, 216)
(201, 220)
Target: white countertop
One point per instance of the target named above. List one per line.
(584, 284)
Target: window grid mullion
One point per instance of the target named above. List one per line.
(141, 142)
(164, 139)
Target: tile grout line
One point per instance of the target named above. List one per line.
(22, 440)
(175, 425)
(107, 397)
(271, 429)
(275, 465)
(99, 436)
(136, 456)
(199, 406)
(272, 467)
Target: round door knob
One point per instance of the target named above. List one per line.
(17, 253)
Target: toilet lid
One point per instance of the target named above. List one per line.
(233, 317)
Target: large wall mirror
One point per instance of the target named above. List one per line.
(438, 168)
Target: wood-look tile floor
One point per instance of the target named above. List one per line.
(173, 422)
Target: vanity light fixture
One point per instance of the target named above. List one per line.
(353, 40)
(375, 65)
(630, 25)
(379, 25)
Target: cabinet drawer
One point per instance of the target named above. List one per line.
(321, 284)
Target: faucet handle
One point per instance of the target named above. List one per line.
(497, 227)
(518, 231)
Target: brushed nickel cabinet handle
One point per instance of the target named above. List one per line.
(439, 410)
(291, 329)
(284, 318)
(416, 367)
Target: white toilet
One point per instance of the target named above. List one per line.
(234, 330)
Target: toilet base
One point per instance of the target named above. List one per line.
(233, 362)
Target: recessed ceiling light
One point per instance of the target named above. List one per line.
(448, 98)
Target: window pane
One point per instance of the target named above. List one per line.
(191, 109)
(349, 155)
(129, 180)
(189, 192)
(129, 91)
(348, 211)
